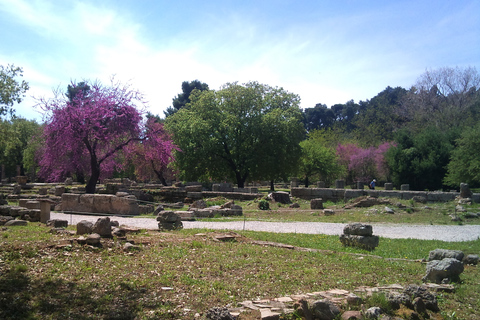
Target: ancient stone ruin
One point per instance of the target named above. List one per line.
(444, 266)
(359, 235)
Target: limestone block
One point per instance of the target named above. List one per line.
(352, 194)
(70, 202)
(103, 227)
(32, 204)
(84, 227)
(388, 186)
(102, 203)
(316, 204)
(358, 229)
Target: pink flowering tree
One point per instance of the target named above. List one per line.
(152, 155)
(364, 164)
(87, 131)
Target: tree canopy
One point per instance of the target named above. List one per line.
(85, 132)
(183, 98)
(234, 133)
(12, 90)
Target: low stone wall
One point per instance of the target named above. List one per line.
(100, 203)
(329, 194)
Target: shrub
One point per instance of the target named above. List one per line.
(263, 205)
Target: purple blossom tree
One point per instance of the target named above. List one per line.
(153, 154)
(364, 164)
(86, 132)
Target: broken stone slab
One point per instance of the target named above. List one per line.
(358, 229)
(57, 223)
(329, 212)
(84, 227)
(471, 259)
(93, 239)
(363, 242)
(280, 197)
(103, 227)
(443, 271)
(439, 254)
(16, 223)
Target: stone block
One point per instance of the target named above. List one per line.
(316, 204)
(339, 184)
(405, 187)
(320, 184)
(102, 203)
(388, 186)
(70, 202)
(440, 196)
(59, 190)
(352, 194)
(32, 204)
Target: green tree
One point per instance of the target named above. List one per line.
(11, 89)
(16, 133)
(378, 120)
(420, 159)
(183, 98)
(465, 162)
(234, 133)
(319, 160)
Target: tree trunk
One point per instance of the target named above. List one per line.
(160, 177)
(306, 181)
(272, 186)
(92, 182)
(241, 180)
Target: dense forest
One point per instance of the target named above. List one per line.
(425, 136)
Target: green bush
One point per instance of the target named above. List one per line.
(263, 205)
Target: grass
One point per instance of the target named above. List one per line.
(41, 280)
(412, 213)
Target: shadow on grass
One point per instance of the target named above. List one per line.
(24, 298)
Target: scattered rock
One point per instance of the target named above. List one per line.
(294, 205)
(93, 239)
(12, 223)
(419, 199)
(103, 227)
(471, 259)
(129, 247)
(354, 300)
(358, 229)
(428, 298)
(352, 315)
(443, 271)
(316, 204)
(324, 309)
(169, 220)
(5, 219)
(439, 254)
(117, 232)
(280, 197)
(219, 314)
(84, 227)
(373, 313)
(57, 223)
(199, 204)
(329, 212)
(396, 299)
(389, 210)
(419, 306)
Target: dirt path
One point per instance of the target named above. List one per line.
(425, 232)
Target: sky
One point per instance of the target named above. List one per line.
(327, 52)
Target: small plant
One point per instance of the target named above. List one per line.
(263, 205)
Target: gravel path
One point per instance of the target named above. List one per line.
(425, 232)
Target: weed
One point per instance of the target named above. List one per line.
(263, 205)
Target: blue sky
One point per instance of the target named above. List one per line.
(325, 51)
